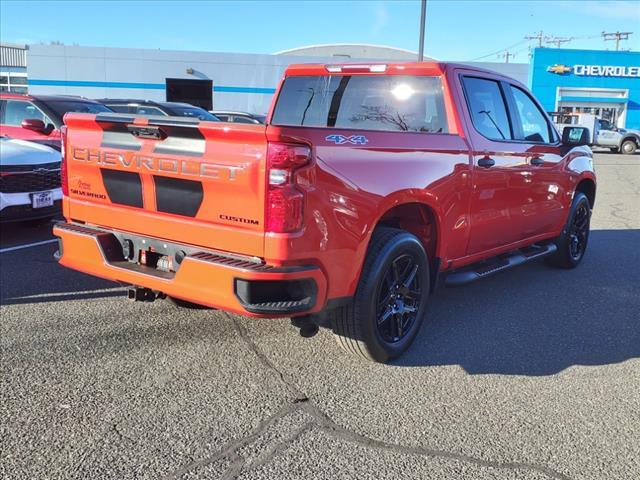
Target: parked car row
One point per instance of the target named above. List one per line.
(30, 144)
(149, 107)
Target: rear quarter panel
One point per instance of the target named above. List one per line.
(350, 187)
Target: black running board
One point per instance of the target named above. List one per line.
(487, 268)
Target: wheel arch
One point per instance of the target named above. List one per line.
(588, 187)
(419, 218)
(632, 137)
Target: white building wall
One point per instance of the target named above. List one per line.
(244, 82)
(241, 81)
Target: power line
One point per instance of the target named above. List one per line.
(558, 41)
(553, 40)
(499, 51)
(617, 36)
(539, 37)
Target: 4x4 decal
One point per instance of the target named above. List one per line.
(353, 139)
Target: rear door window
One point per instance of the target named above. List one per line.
(487, 107)
(367, 102)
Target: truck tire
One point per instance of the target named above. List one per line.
(572, 242)
(390, 301)
(628, 146)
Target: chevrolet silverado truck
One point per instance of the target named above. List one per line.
(368, 186)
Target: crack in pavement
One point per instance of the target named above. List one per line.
(322, 421)
(230, 450)
(615, 211)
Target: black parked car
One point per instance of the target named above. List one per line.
(149, 107)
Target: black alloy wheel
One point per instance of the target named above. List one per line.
(572, 242)
(390, 303)
(579, 232)
(398, 298)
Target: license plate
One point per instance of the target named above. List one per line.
(42, 199)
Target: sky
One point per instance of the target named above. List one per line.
(455, 30)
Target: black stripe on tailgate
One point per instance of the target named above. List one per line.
(178, 196)
(124, 188)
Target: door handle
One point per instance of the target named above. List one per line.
(536, 161)
(486, 162)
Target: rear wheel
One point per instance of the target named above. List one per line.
(390, 302)
(572, 243)
(628, 147)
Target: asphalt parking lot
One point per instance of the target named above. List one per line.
(532, 374)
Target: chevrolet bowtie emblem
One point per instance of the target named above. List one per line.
(559, 69)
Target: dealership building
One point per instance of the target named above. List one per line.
(605, 83)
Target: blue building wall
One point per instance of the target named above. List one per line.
(544, 83)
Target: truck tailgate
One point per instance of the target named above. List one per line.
(183, 180)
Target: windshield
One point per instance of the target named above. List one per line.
(605, 125)
(65, 106)
(196, 112)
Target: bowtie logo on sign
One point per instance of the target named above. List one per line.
(559, 69)
(353, 139)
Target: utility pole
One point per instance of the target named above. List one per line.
(539, 37)
(617, 36)
(423, 16)
(507, 55)
(558, 41)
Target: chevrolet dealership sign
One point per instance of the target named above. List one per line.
(595, 71)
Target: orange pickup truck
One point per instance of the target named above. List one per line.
(368, 183)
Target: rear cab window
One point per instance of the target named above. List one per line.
(395, 103)
(487, 107)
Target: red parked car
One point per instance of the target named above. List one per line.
(367, 185)
(38, 118)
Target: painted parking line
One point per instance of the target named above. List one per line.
(27, 245)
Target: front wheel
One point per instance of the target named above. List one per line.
(572, 242)
(391, 298)
(628, 147)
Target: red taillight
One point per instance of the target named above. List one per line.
(285, 201)
(64, 177)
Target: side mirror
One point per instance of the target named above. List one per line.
(35, 125)
(575, 136)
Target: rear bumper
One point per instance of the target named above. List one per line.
(209, 278)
